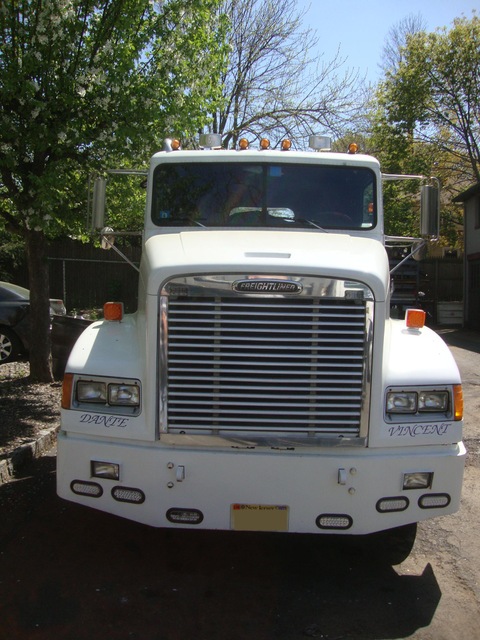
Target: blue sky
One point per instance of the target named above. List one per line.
(360, 27)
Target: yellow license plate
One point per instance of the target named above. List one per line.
(259, 517)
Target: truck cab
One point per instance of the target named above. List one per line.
(262, 384)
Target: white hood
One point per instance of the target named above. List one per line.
(264, 251)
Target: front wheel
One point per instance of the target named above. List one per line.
(9, 346)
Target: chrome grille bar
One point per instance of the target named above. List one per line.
(269, 364)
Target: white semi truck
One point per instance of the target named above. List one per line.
(262, 384)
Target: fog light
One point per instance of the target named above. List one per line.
(108, 470)
(434, 501)
(84, 488)
(128, 494)
(418, 480)
(333, 521)
(387, 505)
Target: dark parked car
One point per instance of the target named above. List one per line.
(14, 320)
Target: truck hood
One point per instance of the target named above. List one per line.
(264, 251)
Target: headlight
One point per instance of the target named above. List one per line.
(124, 394)
(105, 395)
(401, 402)
(433, 401)
(417, 401)
(91, 391)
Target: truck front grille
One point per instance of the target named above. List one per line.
(266, 365)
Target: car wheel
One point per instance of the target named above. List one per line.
(9, 346)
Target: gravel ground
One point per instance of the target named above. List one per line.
(26, 410)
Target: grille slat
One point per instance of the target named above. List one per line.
(266, 365)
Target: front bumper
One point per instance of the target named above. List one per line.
(347, 486)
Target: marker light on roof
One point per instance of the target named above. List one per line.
(243, 144)
(176, 145)
(353, 148)
(264, 143)
(286, 145)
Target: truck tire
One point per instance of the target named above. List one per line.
(9, 346)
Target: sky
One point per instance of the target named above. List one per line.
(360, 27)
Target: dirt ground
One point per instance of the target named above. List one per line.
(26, 410)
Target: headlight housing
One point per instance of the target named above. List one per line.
(418, 401)
(104, 395)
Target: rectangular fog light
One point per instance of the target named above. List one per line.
(107, 470)
(418, 480)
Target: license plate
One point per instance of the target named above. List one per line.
(259, 517)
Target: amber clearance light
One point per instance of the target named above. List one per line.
(113, 311)
(415, 318)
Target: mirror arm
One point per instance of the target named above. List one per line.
(419, 247)
(108, 240)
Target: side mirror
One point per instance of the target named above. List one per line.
(99, 203)
(430, 211)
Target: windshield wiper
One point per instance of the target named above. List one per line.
(313, 224)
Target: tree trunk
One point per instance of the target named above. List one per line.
(40, 358)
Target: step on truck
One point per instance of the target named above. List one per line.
(262, 384)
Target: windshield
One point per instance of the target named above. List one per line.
(219, 194)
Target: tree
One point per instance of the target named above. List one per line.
(410, 134)
(271, 85)
(434, 94)
(396, 40)
(86, 80)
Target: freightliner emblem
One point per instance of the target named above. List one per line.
(267, 286)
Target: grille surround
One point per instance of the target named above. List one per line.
(286, 368)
